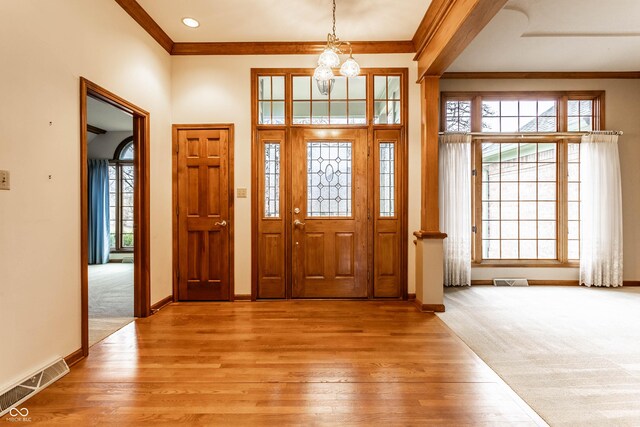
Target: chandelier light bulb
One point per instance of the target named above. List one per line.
(350, 68)
(323, 73)
(329, 58)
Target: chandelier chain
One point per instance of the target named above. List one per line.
(334, 18)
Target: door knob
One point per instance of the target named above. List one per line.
(222, 224)
(298, 223)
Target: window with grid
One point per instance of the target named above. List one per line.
(528, 192)
(345, 104)
(121, 198)
(519, 115)
(386, 105)
(519, 201)
(580, 115)
(573, 200)
(271, 100)
(458, 116)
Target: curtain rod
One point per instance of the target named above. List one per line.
(533, 134)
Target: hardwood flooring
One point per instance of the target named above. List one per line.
(282, 363)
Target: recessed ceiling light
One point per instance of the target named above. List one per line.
(190, 22)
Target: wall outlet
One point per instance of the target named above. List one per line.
(4, 180)
(242, 193)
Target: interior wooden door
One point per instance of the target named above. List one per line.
(203, 215)
(329, 221)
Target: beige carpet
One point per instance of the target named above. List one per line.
(110, 299)
(572, 353)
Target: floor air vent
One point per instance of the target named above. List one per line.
(510, 282)
(23, 390)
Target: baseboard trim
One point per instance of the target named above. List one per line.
(411, 297)
(242, 297)
(531, 283)
(551, 283)
(428, 308)
(74, 357)
(161, 304)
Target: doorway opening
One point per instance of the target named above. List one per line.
(114, 213)
(329, 211)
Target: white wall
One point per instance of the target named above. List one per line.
(622, 104)
(103, 146)
(46, 47)
(216, 89)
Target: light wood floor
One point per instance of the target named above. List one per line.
(282, 363)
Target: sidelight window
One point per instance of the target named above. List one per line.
(272, 180)
(387, 179)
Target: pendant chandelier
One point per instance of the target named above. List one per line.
(330, 59)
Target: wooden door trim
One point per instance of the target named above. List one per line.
(141, 127)
(288, 128)
(175, 128)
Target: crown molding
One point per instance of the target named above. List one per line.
(133, 8)
(286, 48)
(544, 75)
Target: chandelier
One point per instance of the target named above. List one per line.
(329, 59)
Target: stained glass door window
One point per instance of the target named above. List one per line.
(329, 179)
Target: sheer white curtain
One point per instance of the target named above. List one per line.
(455, 207)
(600, 211)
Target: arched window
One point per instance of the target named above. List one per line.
(124, 151)
(121, 185)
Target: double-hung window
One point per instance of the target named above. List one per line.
(526, 172)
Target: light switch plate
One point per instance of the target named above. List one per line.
(242, 193)
(4, 180)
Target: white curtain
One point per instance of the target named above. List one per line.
(455, 207)
(600, 211)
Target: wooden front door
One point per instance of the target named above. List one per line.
(203, 209)
(329, 220)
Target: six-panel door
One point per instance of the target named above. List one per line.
(203, 215)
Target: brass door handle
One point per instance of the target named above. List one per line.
(222, 224)
(298, 223)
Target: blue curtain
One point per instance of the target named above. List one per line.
(98, 211)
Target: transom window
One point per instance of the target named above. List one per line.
(375, 96)
(271, 100)
(121, 190)
(386, 107)
(345, 104)
(527, 197)
(519, 116)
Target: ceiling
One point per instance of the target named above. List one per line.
(287, 20)
(552, 35)
(107, 117)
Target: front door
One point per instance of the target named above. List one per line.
(329, 199)
(203, 214)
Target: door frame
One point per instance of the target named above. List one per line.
(402, 159)
(174, 198)
(141, 231)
